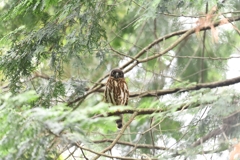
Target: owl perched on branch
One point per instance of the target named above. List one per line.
(116, 91)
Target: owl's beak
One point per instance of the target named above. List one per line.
(117, 75)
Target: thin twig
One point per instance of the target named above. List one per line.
(106, 155)
(206, 58)
(118, 136)
(121, 54)
(132, 144)
(83, 154)
(201, 77)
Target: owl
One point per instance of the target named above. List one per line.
(116, 91)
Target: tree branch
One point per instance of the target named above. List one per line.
(133, 61)
(144, 111)
(81, 98)
(130, 111)
(185, 33)
(133, 145)
(195, 87)
(207, 58)
(156, 93)
(119, 135)
(106, 155)
(168, 36)
(229, 122)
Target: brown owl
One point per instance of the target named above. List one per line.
(116, 91)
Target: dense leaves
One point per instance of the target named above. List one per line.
(56, 55)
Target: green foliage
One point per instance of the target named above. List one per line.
(55, 54)
(38, 127)
(169, 127)
(74, 30)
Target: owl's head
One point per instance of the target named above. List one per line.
(117, 73)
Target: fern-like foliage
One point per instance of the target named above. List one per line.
(51, 34)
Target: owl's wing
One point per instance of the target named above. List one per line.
(124, 93)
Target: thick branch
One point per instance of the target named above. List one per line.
(195, 87)
(174, 90)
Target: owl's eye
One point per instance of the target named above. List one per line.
(113, 73)
(117, 74)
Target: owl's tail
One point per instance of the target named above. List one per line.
(119, 122)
